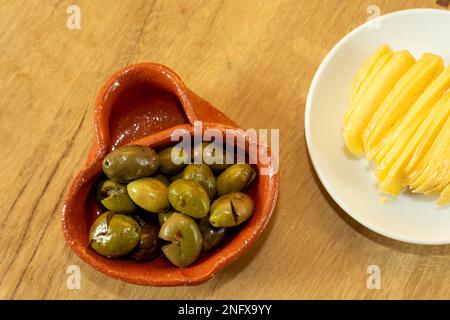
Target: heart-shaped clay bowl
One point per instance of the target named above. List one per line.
(143, 104)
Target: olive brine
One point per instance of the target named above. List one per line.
(154, 205)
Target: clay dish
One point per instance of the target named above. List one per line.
(143, 104)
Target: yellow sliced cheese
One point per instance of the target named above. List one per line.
(433, 179)
(367, 68)
(436, 175)
(400, 62)
(445, 196)
(427, 131)
(420, 108)
(400, 99)
(360, 85)
(399, 115)
(427, 169)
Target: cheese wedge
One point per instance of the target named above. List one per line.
(363, 110)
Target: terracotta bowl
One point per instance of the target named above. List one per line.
(143, 104)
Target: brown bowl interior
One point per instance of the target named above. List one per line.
(142, 110)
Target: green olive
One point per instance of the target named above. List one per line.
(189, 197)
(203, 175)
(148, 247)
(236, 178)
(130, 162)
(185, 237)
(114, 197)
(231, 210)
(163, 216)
(212, 236)
(114, 235)
(161, 178)
(149, 194)
(207, 152)
(167, 166)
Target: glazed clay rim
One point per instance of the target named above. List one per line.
(201, 271)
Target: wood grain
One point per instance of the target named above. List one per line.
(254, 60)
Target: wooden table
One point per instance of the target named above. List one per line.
(254, 60)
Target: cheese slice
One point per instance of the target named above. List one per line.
(366, 76)
(435, 178)
(418, 111)
(400, 62)
(427, 131)
(367, 68)
(445, 196)
(427, 168)
(399, 116)
(400, 99)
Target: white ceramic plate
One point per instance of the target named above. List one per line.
(351, 183)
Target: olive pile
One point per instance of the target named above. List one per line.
(157, 205)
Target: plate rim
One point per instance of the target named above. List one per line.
(341, 203)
